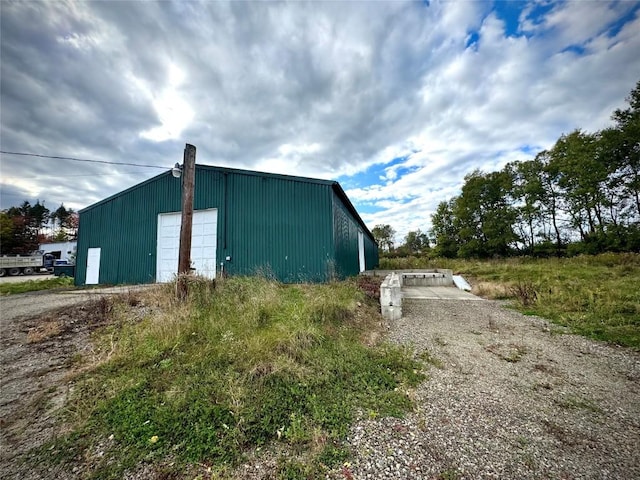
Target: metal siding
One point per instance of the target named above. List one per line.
(275, 225)
(125, 227)
(279, 227)
(345, 234)
(209, 193)
(371, 253)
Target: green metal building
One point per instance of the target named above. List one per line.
(294, 229)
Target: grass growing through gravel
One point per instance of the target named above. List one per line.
(35, 285)
(596, 296)
(245, 363)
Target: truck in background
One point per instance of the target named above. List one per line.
(60, 250)
(26, 264)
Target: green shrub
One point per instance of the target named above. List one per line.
(36, 285)
(244, 362)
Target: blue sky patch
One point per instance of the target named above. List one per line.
(472, 40)
(622, 21)
(509, 13)
(579, 49)
(540, 10)
(402, 171)
(530, 149)
(371, 176)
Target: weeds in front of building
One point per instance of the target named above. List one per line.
(245, 366)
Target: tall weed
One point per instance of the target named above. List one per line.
(243, 362)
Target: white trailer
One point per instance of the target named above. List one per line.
(60, 250)
(25, 264)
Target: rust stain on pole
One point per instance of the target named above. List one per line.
(188, 186)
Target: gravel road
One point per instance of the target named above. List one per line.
(40, 335)
(35, 303)
(509, 397)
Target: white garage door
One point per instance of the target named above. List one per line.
(203, 244)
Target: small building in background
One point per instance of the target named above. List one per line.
(293, 229)
(65, 251)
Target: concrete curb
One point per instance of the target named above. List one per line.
(391, 297)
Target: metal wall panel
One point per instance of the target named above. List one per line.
(275, 225)
(125, 228)
(278, 227)
(345, 237)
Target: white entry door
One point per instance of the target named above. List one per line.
(203, 244)
(93, 266)
(361, 261)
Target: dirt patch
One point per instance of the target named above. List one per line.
(38, 358)
(510, 352)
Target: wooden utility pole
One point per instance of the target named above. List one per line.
(188, 186)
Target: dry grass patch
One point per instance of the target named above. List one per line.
(491, 290)
(44, 331)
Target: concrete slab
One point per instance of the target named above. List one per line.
(436, 293)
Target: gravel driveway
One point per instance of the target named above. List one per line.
(40, 334)
(35, 303)
(509, 397)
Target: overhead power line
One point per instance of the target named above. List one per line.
(45, 175)
(55, 157)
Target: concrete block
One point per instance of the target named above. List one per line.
(427, 278)
(391, 297)
(390, 293)
(392, 313)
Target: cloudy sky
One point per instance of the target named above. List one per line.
(397, 101)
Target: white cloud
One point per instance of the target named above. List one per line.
(321, 89)
(174, 112)
(488, 104)
(575, 23)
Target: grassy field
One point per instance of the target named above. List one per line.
(246, 365)
(596, 296)
(35, 285)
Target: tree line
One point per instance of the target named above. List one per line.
(580, 196)
(25, 227)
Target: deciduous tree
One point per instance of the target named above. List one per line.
(416, 242)
(445, 230)
(384, 235)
